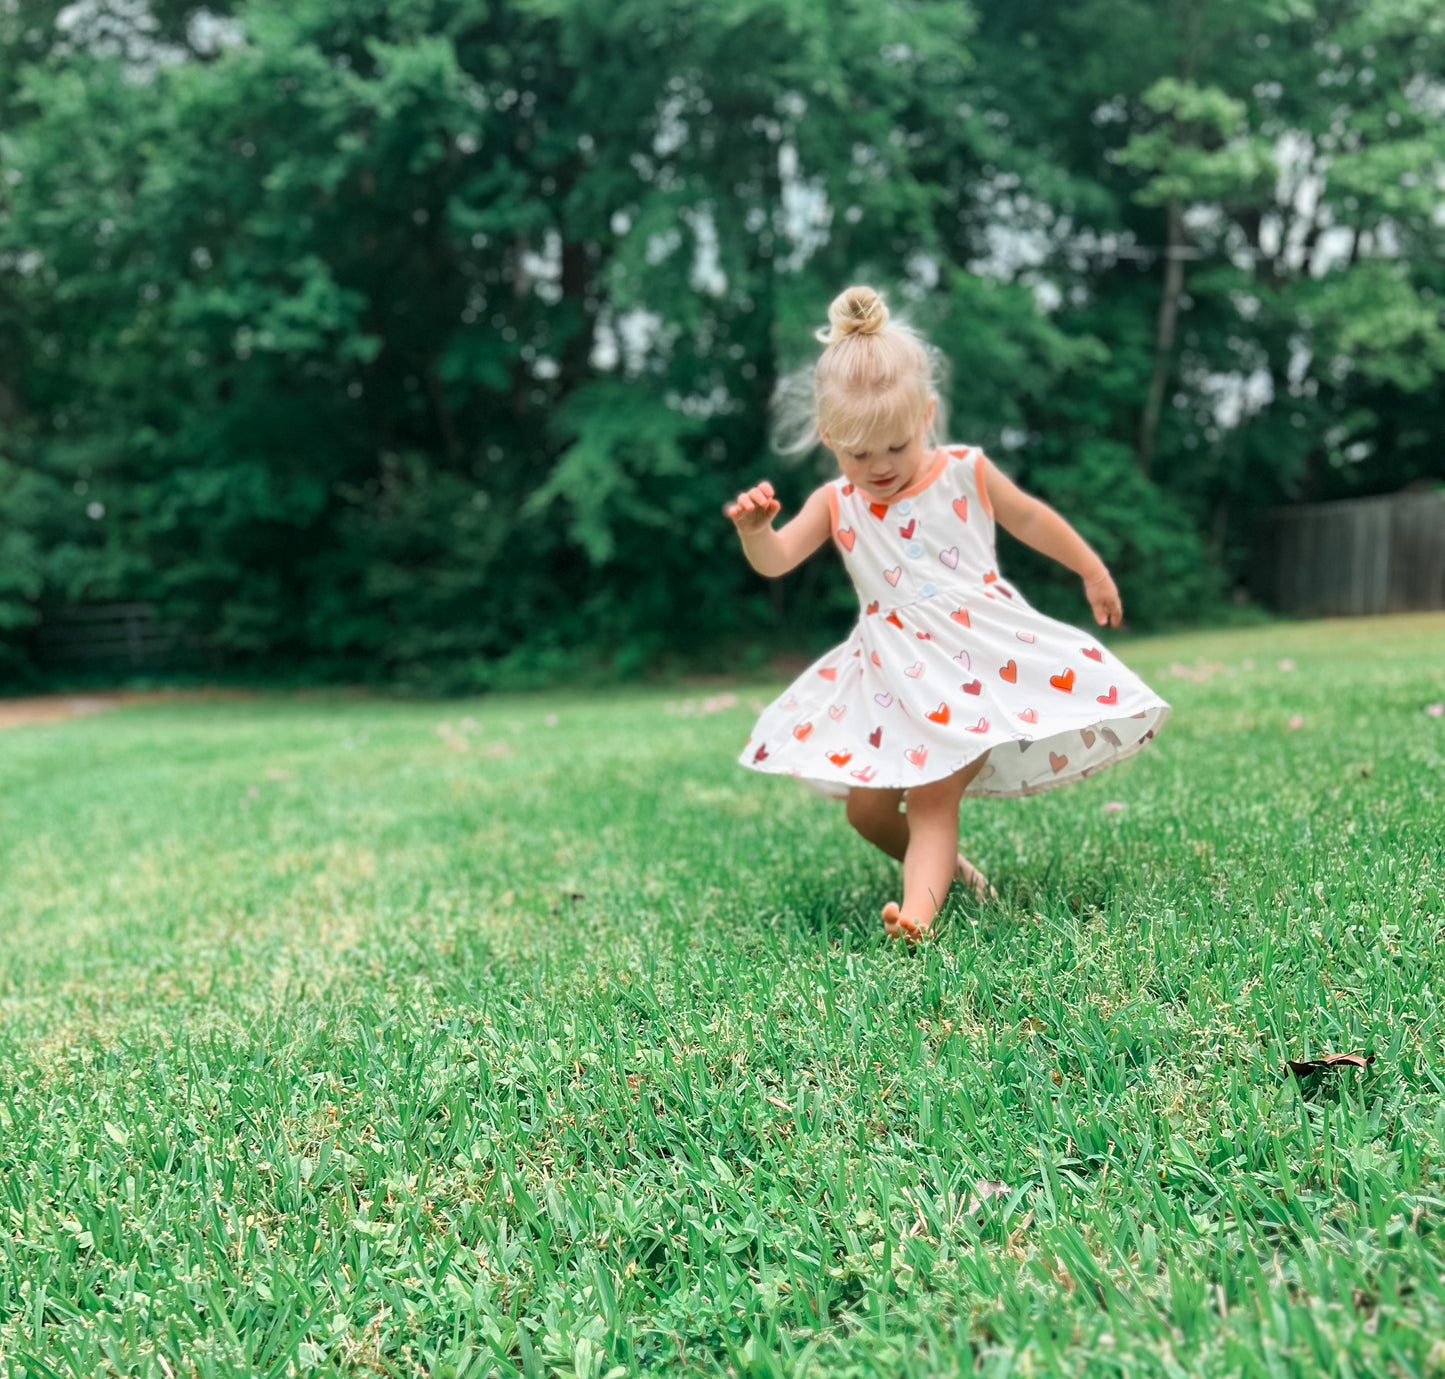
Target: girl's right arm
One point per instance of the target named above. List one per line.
(774, 553)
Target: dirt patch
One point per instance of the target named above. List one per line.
(54, 708)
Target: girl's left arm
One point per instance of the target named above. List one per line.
(1036, 524)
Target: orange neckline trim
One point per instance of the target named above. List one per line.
(940, 460)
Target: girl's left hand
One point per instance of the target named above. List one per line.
(1103, 598)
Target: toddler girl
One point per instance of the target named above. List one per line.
(950, 683)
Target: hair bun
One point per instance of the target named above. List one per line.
(855, 311)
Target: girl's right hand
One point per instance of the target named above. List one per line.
(753, 510)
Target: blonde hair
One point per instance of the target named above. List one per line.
(872, 375)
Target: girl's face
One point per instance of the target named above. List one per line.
(887, 463)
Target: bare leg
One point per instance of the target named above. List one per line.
(877, 816)
(932, 860)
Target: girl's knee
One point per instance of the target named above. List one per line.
(867, 807)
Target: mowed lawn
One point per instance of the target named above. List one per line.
(533, 1036)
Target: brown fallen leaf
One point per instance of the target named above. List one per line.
(983, 1189)
(1327, 1062)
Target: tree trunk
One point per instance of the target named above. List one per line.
(1163, 340)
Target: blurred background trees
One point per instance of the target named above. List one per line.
(425, 338)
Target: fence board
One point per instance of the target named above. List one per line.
(1356, 557)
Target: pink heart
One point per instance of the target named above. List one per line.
(950, 557)
(917, 755)
(883, 700)
(1029, 716)
(1026, 637)
(893, 575)
(965, 660)
(980, 727)
(914, 671)
(837, 711)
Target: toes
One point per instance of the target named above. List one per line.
(891, 916)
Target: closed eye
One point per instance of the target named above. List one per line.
(894, 449)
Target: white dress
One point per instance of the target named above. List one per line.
(947, 661)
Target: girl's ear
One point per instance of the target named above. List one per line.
(932, 408)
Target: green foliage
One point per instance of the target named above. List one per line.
(534, 1036)
(411, 338)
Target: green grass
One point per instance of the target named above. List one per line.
(327, 1046)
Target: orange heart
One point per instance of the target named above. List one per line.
(990, 577)
(802, 730)
(1010, 672)
(960, 616)
(1112, 697)
(924, 636)
(1063, 682)
(828, 673)
(872, 607)
(847, 490)
(894, 619)
(840, 758)
(1057, 762)
(917, 755)
(960, 506)
(846, 538)
(876, 661)
(879, 510)
(938, 715)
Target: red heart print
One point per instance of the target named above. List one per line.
(1088, 735)
(1057, 762)
(973, 687)
(915, 670)
(847, 490)
(1004, 592)
(991, 577)
(938, 715)
(980, 727)
(1029, 716)
(893, 575)
(802, 730)
(872, 607)
(894, 618)
(828, 673)
(960, 506)
(837, 711)
(875, 738)
(761, 754)
(879, 510)
(1026, 637)
(1063, 682)
(960, 616)
(917, 755)
(840, 758)
(1111, 698)
(907, 532)
(1093, 653)
(865, 775)
(846, 538)
(1010, 672)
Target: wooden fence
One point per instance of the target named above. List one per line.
(107, 637)
(1359, 556)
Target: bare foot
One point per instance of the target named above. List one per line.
(974, 879)
(896, 926)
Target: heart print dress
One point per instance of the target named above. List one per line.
(948, 661)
